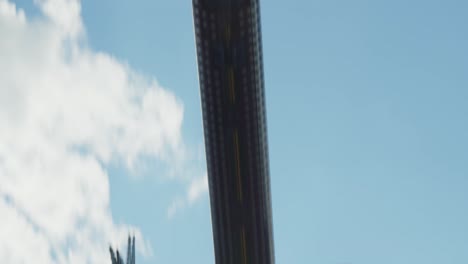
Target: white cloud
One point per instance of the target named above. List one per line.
(66, 14)
(66, 112)
(197, 188)
(176, 205)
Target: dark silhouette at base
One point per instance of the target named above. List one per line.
(117, 259)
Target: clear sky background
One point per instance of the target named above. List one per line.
(367, 105)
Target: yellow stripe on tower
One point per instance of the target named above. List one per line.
(227, 31)
(232, 91)
(244, 248)
(238, 174)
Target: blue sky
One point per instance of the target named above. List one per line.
(366, 105)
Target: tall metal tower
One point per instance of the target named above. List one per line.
(229, 54)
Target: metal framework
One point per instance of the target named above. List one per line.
(229, 54)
